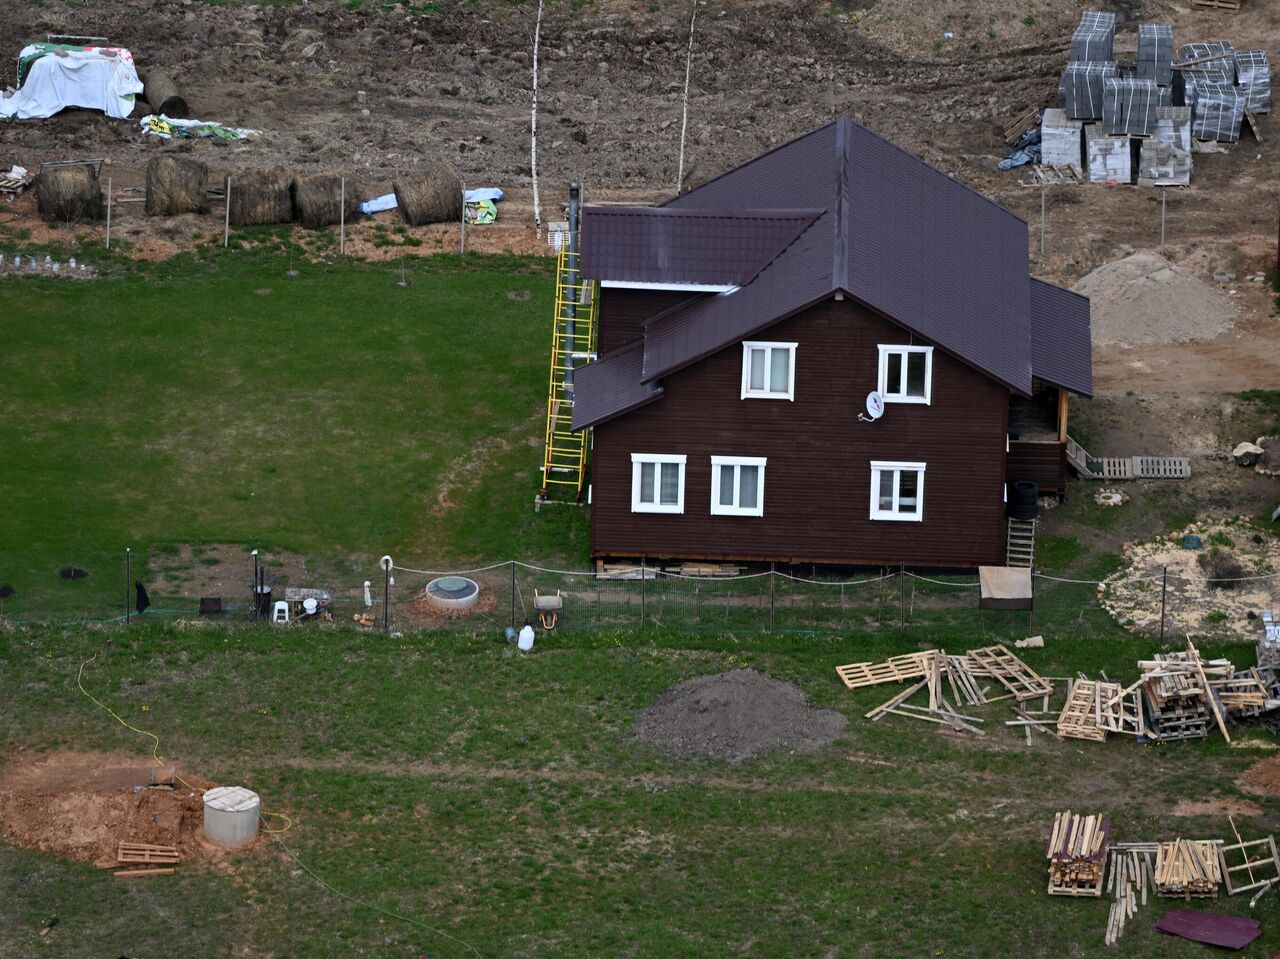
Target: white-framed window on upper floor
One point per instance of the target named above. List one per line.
(737, 485)
(657, 482)
(768, 371)
(906, 374)
(897, 491)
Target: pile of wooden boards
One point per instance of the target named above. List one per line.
(1093, 709)
(144, 859)
(1131, 876)
(1187, 868)
(962, 675)
(1180, 700)
(1077, 854)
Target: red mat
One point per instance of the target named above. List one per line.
(1230, 932)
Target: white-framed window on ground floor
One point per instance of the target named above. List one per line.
(657, 482)
(897, 491)
(737, 485)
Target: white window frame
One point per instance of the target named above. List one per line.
(879, 466)
(720, 462)
(750, 394)
(658, 459)
(894, 395)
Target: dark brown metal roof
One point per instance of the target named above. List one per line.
(611, 386)
(667, 245)
(1061, 344)
(894, 234)
(901, 237)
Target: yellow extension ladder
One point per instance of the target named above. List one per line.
(564, 457)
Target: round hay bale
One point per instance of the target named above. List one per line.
(176, 185)
(317, 199)
(432, 194)
(260, 196)
(163, 95)
(69, 194)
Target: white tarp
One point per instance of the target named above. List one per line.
(97, 78)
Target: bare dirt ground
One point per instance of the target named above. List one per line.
(451, 80)
(81, 805)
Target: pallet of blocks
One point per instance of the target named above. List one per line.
(1077, 854)
(1187, 868)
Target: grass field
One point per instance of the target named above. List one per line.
(217, 399)
(501, 799)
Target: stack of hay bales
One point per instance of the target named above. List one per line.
(260, 197)
(318, 199)
(69, 194)
(431, 194)
(176, 185)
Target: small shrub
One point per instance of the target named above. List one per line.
(1220, 567)
(1029, 20)
(1219, 538)
(1215, 616)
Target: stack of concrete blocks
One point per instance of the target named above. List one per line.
(1129, 106)
(1253, 75)
(1165, 159)
(1094, 38)
(1082, 86)
(1217, 110)
(1107, 156)
(1155, 53)
(1062, 141)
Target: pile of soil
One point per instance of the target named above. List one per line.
(82, 805)
(1262, 778)
(736, 716)
(1146, 299)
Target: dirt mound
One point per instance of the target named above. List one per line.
(81, 805)
(1262, 778)
(736, 716)
(1146, 299)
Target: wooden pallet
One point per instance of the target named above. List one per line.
(141, 852)
(897, 669)
(1217, 4)
(1258, 873)
(1009, 671)
(1024, 121)
(15, 185)
(1090, 709)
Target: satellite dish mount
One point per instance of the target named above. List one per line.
(875, 408)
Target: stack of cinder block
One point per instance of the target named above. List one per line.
(1061, 140)
(1081, 88)
(1094, 38)
(1155, 53)
(1108, 156)
(1165, 159)
(1253, 75)
(1129, 106)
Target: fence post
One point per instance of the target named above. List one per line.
(1164, 587)
(128, 575)
(642, 579)
(902, 600)
(772, 580)
(513, 594)
(386, 594)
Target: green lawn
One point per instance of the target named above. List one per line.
(502, 799)
(216, 399)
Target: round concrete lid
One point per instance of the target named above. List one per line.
(231, 799)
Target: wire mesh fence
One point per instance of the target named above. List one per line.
(914, 605)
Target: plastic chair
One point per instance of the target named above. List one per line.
(280, 612)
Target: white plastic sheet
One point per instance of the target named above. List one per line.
(96, 79)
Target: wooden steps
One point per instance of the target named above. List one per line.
(1126, 467)
(1020, 546)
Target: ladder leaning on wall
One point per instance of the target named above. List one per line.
(573, 343)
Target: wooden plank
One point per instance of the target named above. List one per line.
(136, 873)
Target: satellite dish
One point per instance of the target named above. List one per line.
(875, 408)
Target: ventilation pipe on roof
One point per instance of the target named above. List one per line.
(571, 279)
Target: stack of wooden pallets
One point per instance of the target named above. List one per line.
(1077, 854)
(1188, 868)
(1178, 700)
(1243, 694)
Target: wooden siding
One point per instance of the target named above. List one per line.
(818, 477)
(623, 312)
(1042, 462)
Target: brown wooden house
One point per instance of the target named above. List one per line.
(743, 325)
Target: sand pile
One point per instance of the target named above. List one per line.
(82, 805)
(736, 716)
(1146, 299)
(1262, 778)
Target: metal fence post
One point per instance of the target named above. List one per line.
(772, 581)
(128, 576)
(513, 594)
(1164, 588)
(386, 597)
(902, 600)
(642, 579)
